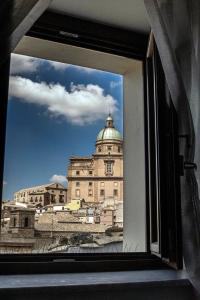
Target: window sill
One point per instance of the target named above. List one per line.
(121, 285)
(89, 279)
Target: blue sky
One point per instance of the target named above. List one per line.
(55, 110)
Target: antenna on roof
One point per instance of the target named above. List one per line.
(109, 110)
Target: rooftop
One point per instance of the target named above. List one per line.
(109, 132)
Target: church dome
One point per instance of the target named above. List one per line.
(109, 132)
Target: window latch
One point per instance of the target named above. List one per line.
(186, 165)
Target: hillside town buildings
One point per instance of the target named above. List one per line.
(53, 193)
(92, 203)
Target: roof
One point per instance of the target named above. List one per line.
(71, 228)
(80, 158)
(57, 217)
(39, 187)
(109, 132)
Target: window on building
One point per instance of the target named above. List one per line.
(90, 183)
(36, 199)
(119, 149)
(77, 193)
(77, 183)
(102, 192)
(90, 192)
(90, 172)
(109, 148)
(115, 192)
(14, 222)
(61, 198)
(109, 167)
(116, 184)
(99, 149)
(40, 199)
(53, 199)
(26, 222)
(77, 172)
(102, 184)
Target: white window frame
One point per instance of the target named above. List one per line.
(134, 165)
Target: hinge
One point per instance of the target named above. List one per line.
(185, 165)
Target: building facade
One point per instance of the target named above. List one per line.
(53, 193)
(99, 178)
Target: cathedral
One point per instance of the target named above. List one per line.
(99, 178)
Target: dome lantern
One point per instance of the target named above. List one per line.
(109, 132)
(109, 122)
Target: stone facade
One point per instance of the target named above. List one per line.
(22, 223)
(54, 193)
(99, 177)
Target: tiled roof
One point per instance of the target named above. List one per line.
(67, 227)
(55, 217)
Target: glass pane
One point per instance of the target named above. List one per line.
(63, 173)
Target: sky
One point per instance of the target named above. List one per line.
(55, 110)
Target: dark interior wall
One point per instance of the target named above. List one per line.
(176, 27)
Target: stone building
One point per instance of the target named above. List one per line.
(99, 177)
(53, 193)
(22, 221)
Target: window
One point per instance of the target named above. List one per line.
(115, 193)
(77, 193)
(14, 222)
(102, 192)
(53, 199)
(116, 184)
(119, 149)
(90, 172)
(90, 183)
(109, 148)
(77, 183)
(102, 184)
(26, 223)
(90, 192)
(61, 198)
(109, 167)
(137, 157)
(99, 149)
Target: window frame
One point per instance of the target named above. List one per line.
(107, 39)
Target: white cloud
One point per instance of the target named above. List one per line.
(4, 182)
(82, 104)
(23, 64)
(114, 84)
(58, 66)
(84, 69)
(27, 64)
(58, 179)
